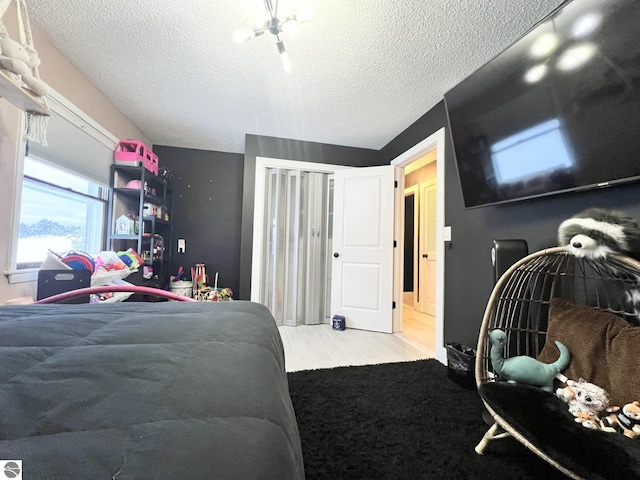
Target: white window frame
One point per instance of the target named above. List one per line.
(63, 107)
(96, 203)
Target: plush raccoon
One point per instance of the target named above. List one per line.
(596, 232)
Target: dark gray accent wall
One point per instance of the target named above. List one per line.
(271, 147)
(207, 209)
(214, 199)
(468, 270)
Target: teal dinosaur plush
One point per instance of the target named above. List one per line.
(526, 369)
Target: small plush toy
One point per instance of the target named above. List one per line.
(585, 401)
(523, 368)
(596, 232)
(21, 60)
(625, 420)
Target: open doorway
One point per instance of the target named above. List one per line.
(419, 280)
(430, 150)
(435, 141)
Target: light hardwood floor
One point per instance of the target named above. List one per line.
(319, 346)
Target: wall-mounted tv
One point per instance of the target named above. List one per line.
(557, 111)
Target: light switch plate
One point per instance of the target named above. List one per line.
(447, 234)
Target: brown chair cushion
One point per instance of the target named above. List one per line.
(605, 349)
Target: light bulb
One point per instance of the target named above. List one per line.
(284, 56)
(290, 26)
(305, 16)
(261, 21)
(286, 62)
(243, 35)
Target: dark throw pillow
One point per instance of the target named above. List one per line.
(605, 349)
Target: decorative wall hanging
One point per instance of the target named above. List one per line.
(20, 81)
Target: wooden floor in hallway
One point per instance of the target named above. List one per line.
(309, 347)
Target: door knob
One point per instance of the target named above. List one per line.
(424, 255)
(336, 254)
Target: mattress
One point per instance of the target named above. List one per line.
(146, 390)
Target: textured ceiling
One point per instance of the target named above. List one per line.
(363, 70)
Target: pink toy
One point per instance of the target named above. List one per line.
(135, 153)
(151, 162)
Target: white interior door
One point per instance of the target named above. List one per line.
(363, 227)
(427, 258)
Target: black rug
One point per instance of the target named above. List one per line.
(400, 421)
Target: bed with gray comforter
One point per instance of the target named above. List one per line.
(146, 390)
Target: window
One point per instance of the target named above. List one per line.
(64, 198)
(60, 211)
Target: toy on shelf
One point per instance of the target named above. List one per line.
(136, 153)
(127, 225)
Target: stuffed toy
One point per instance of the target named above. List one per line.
(523, 368)
(21, 60)
(586, 401)
(625, 420)
(596, 232)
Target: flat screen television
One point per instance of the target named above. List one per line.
(557, 111)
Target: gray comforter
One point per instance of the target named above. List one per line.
(146, 390)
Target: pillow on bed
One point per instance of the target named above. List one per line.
(604, 348)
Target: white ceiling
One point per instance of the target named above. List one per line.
(363, 70)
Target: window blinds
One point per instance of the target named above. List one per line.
(76, 145)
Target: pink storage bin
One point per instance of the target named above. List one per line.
(135, 153)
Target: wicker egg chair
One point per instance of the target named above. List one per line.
(520, 305)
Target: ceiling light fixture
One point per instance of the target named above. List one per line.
(290, 25)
